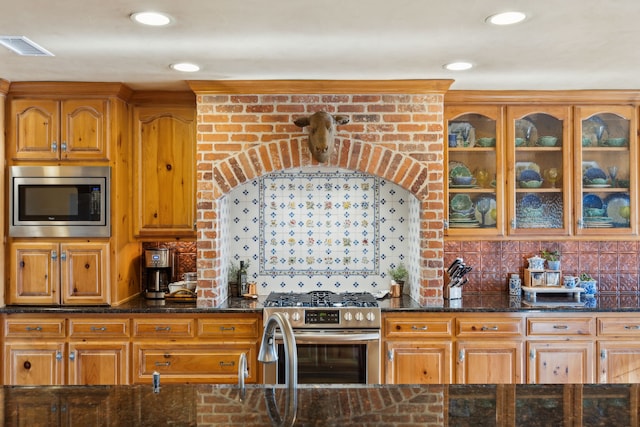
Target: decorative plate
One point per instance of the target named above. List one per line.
(461, 203)
(460, 171)
(530, 175)
(482, 202)
(531, 201)
(591, 201)
(586, 165)
(618, 209)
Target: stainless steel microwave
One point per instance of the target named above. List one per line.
(59, 201)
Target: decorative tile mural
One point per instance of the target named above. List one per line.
(319, 229)
(319, 222)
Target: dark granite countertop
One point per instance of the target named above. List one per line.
(470, 302)
(324, 405)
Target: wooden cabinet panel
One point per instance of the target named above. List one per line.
(44, 129)
(83, 274)
(618, 362)
(34, 327)
(98, 363)
(34, 363)
(418, 362)
(229, 328)
(581, 326)
(561, 362)
(192, 363)
(489, 327)
(489, 362)
(164, 171)
(59, 273)
(417, 326)
(105, 327)
(163, 328)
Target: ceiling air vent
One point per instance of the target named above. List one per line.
(23, 46)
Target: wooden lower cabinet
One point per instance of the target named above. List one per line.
(489, 362)
(618, 349)
(34, 363)
(422, 362)
(192, 363)
(560, 362)
(98, 363)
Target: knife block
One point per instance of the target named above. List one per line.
(449, 292)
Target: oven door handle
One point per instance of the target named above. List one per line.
(324, 337)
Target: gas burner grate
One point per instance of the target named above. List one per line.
(321, 299)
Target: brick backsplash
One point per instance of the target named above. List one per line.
(396, 137)
(614, 264)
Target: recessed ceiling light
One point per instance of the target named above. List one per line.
(155, 19)
(458, 66)
(185, 67)
(506, 18)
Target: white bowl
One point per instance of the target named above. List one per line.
(175, 287)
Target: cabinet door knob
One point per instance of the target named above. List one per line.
(27, 364)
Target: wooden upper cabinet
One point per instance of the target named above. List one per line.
(73, 129)
(539, 170)
(475, 170)
(164, 171)
(605, 170)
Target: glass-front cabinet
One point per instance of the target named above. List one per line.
(539, 178)
(474, 189)
(605, 170)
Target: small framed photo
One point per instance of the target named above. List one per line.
(538, 278)
(552, 278)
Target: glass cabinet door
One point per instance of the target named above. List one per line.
(605, 170)
(538, 170)
(474, 184)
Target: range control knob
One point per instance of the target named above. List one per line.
(348, 316)
(359, 316)
(371, 317)
(295, 316)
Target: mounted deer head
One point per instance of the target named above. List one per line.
(322, 127)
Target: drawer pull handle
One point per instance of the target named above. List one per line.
(36, 329)
(163, 363)
(101, 328)
(231, 364)
(161, 328)
(635, 327)
(419, 328)
(560, 327)
(223, 328)
(489, 328)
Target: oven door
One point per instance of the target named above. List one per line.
(331, 357)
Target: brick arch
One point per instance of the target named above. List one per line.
(362, 156)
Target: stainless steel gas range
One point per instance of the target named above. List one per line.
(337, 335)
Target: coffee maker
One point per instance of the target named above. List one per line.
(158, 269)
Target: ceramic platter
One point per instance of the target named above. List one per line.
(591, 201)
(461, 203)
(615, 203)
(522, 166)
(458, 169)
(487, 220)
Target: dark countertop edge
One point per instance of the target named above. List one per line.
(471, 303)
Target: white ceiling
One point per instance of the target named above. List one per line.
(564, 44)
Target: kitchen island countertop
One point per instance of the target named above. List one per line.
(324, 405)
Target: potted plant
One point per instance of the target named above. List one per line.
(399, 275)
(552, 258)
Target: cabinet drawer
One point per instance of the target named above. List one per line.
(629, 327)
(192, 363)
(583, 326)
(417, 327)
(34, 328)
(161, 328)
(99, 328)
(229, 328)
(490, 327)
